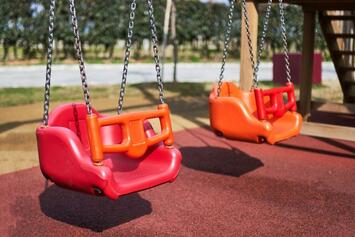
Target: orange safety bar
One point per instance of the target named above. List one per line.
(134, 140)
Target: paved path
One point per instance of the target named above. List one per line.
(98, 74)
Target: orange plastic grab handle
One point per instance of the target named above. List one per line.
(277, 107)
(134, 140)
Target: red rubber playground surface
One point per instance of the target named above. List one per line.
(302, 187)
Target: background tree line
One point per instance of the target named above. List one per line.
(200, 28)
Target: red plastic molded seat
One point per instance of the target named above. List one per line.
(65, 157)
(234, 114)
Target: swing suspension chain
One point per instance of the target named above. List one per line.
(227, 39)
(153, 30)
(262, 40)
(247, 28)
(284, 39)
(79, 55)
(255, 65)
(49, 62)
(126, 56)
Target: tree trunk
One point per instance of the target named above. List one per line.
(15, 52)
(112, 51)
(6, 50)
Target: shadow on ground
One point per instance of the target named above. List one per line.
(348, 151)
(11, 125)
(190, 100)
(219, 160)
(91, 212)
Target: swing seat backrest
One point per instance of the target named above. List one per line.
(229, 89)
(73, 116)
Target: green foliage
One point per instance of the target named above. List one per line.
(200, 25)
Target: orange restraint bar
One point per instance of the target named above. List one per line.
(134, 139)
(276, 106)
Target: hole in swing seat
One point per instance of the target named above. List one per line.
(155, 125)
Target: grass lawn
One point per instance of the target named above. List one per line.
(21, 96)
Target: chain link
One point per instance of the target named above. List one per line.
(250, 45)
(284, 39)
(262, 41)
(126, 56)
(255, 65)
(153, 30)
(227, 38)
(79, 55)
(49, 62)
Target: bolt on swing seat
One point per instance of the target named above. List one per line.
(239, 115)
(257, 115)
(83, 150)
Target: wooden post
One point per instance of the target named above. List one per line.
(307, 62)
(246, 70)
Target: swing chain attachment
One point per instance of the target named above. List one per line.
(284, 39)
(255, 65)
(79, 55)
(49, 62)
(127, 55)
(154, 39)
(227, 39)
(153, 30)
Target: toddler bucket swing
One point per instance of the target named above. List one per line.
(259, 115)
(83, 150)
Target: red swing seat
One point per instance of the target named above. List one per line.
(236, 114)
(66, 158)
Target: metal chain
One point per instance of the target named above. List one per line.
(262, 40)
(250, 45)
(126, 56)
(284, 39)
(79, 55)
(153, 30)
(49, 62)
(226, 44)
(255, 65)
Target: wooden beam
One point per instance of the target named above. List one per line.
(317, 5)
(328, 131)
(246, 70)
(328, 6)
(333, 107)
(307, 62)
